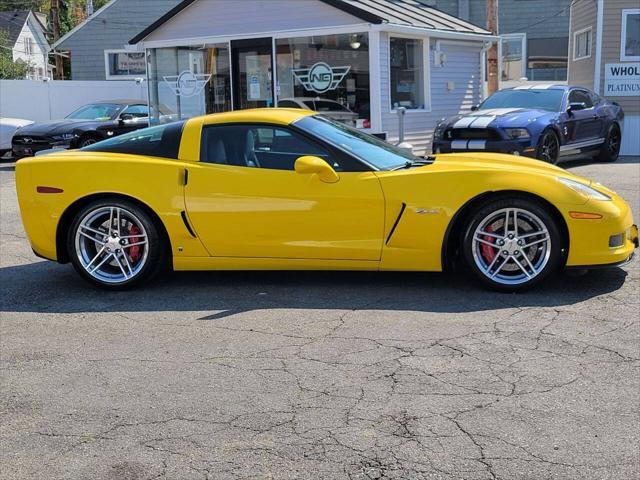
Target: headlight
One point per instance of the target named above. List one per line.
(583, 189)
(437, 133)
(517, 133)
(64, 136)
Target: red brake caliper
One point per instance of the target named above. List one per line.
(488, 252)
(134, 252)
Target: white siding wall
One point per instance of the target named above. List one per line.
(462, 67)
(37, 60)
(40, 101)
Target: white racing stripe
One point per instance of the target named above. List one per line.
(584, 144)
(464, 122)
(505, 111)
(542, 87)
(459, 145)
(476, 144)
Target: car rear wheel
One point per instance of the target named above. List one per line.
(115, 244)
(512, 244)
(548, 147)
(611, 147)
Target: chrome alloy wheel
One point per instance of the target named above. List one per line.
(511, 246)
(112, 244)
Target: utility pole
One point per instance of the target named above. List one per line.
(492, 53)
(55, 25)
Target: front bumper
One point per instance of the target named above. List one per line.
(609, 241)
(516, 147)
(20, 150)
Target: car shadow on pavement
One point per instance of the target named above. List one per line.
(47, 287)
(581, 161)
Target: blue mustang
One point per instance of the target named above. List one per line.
(541, 121)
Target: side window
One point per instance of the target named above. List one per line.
(137, 111)
(160, 141)
(258, 146)
(580, 96)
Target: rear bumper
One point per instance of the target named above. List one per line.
(500, 146)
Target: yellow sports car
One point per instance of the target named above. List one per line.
(285, 189)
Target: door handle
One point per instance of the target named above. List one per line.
(185, 178)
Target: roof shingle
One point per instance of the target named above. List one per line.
(12, 22)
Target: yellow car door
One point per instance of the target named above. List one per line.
(244, 198)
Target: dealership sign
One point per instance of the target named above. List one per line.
(187, 84)
(132, 62)
(320, 77)
(622, 79)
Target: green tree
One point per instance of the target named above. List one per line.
(10, 70)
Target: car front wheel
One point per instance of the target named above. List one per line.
(88, 140)
(548, 147)
(115, 244)
(512, 244)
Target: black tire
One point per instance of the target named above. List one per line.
(611, 147)
(548, 149)
(87, 140)
(545, 255)
(80, 249)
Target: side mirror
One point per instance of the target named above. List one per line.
(125, 117)
(310, 165)
(575, 106)
(474, 108)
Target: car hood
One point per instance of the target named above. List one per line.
(53, 127)
(497, 161)
(498, 118)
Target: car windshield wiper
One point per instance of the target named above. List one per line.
(414, 163)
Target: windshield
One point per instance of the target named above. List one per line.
(550, 100)
(97, 111)
(369, 149)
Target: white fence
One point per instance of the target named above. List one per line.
(39, 101)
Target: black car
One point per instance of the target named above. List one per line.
(88, 124)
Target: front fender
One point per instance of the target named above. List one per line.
(432, 198)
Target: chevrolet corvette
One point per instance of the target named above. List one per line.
(286, 189)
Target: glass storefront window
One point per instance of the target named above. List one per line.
(327, 73)
(188, 81)
(512, 54)
(407, 73)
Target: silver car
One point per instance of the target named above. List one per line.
(328, 108)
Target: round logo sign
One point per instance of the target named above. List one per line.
(320, 77)
(187, 84)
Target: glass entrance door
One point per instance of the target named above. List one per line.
(252, 73)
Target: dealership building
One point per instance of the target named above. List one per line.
(358, 60)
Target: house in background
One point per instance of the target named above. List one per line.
(604, 55)
(96, 47)
(26, 35)
(367, 57)
(534, 35)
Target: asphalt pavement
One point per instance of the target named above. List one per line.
(332, 375)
